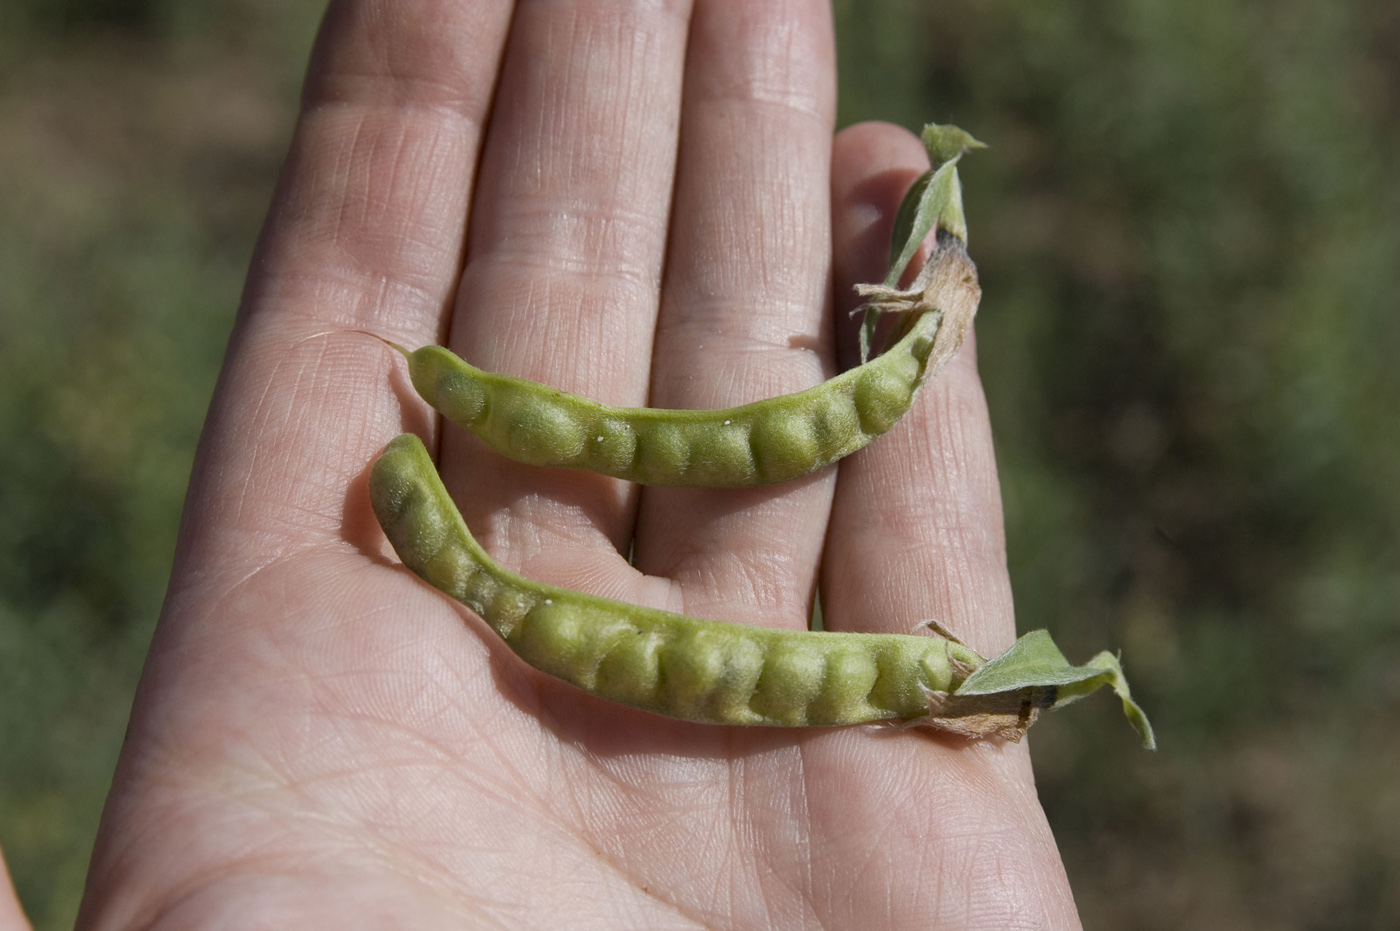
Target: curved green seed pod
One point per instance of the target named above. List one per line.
(773, 440)
(711, 671)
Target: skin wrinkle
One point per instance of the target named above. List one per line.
(648, 58)
(266, 847)
(599, 235)
(335, 300)
(294, 658)
(778, 864)
(416, 80)
(648, 887)
(278, 906)
(867, 869)
(744, 884)
(576, 310)
(395, 293)
(1008, 886)
(374, 712)
(412, 844)
(597, 576)
(416, 164)
(637, 72)
(449, 124)
(956, 553)
(779, 268)
(572, 315)
(748, 598)
(267, 421)
(523, 537)
(464, 115)
(778, 326)
(956, 905)
(419, 749)
(589, 314)
(276, 427)
(433, 867)
(755, 373)
(617, 862)
(559, 107)
(429, 170)
(714, 888)
(369, 146)
(345, 297)
(803, 825)
(873, 826)
(771, 55)
(933, 571)
(954, 450)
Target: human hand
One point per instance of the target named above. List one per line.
(652, 210)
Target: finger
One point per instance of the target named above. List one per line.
(744, 315)
(916, 529)
(365, 233)
(565, 255)
(916, 533)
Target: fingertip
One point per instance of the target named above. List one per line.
(873, 164)
(878, 141)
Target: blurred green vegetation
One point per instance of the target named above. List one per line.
(139, 143)
(1188, 228)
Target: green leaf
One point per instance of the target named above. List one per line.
(934, 191)
(934, 201)
(947, 143)
(1034, 661)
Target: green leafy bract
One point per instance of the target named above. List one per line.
(934, 201)
(1034, 662)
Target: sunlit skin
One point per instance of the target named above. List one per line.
(320, 740)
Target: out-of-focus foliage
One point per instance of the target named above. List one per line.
(137, 155)
(1188, 230)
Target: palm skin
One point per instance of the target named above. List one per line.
(644, 204)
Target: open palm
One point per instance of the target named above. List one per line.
(640, 202)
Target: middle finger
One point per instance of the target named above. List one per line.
(744, 313)
(565, 251)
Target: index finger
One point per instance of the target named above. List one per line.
(365, 232)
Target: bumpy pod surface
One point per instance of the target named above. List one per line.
(708, 671)
(715, 672)
(773, 440)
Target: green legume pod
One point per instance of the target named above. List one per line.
(773, 440)
(707, 671)
(715, 672)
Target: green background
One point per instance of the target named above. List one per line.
(1188, 231)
